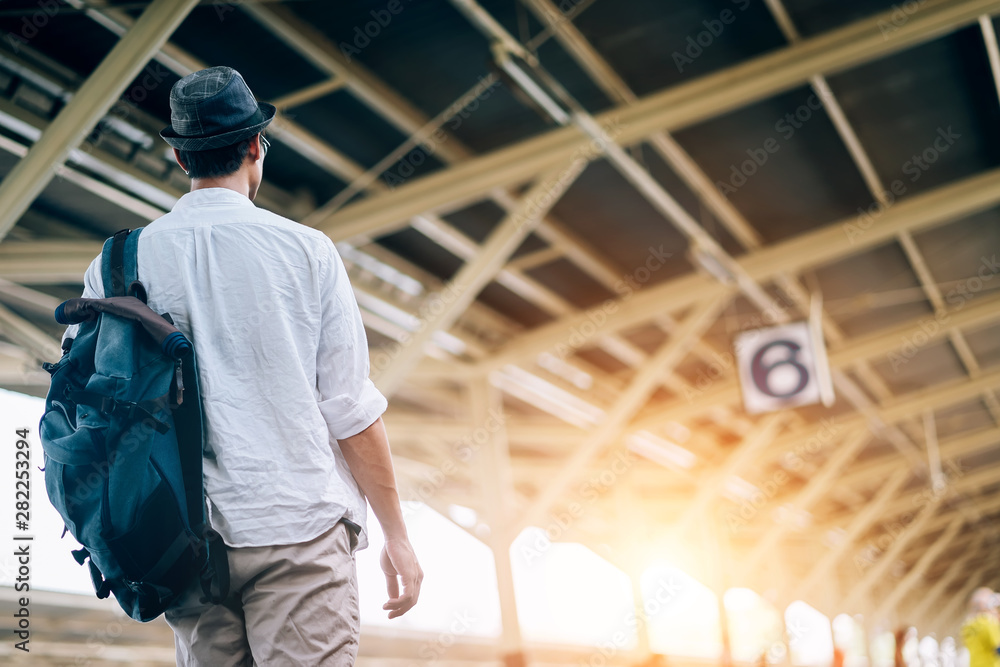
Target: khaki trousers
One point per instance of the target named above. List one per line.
(288, 606)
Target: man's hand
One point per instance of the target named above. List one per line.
(399, 564)
(367, 454)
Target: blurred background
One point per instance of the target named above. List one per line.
(687, 311)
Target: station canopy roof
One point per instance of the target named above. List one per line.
(579, 205)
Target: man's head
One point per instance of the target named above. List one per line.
(983, 600)
(216, 130)
(242, 162)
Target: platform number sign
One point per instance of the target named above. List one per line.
(782, 367)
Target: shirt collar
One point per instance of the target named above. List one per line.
(212, 196)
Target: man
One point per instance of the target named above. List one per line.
(293, 423)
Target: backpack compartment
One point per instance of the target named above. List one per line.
(145, 554)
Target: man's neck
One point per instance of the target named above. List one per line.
(232, 182)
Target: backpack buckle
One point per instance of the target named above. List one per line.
(129, 412)
(113, 407)
(107, 407)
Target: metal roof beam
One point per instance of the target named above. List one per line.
(913, 576)
(864, 164)
(618, 91)
(381, 98)
(513, 277)
(445, 307)
(648, 377)
(927, 599)
(818, 485)
(881, 566)
(902, 506)
(182, 63)
(674, 108)
(22, 332)
(711, 487)
(992, 48)
(965, 483)
(874, 471)
(308, 93)
(316, 48)
(27, 299)
(882, 343)
(822, 246)
(981, 510)
(941, 397)
(601, 72)
(856, 528)
(955, 336)
(31, 174)
(947, 614)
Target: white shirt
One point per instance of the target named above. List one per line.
(282, 357)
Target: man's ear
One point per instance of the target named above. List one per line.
(255, 153)
(177, 156)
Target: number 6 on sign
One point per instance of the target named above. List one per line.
(782, 367)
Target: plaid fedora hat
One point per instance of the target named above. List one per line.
(213, 108)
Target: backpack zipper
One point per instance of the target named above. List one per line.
(179, 381)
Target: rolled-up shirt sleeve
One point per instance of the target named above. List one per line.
(348, 399)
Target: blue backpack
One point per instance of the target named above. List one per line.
(122, 440)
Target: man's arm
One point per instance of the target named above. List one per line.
(352, 406)
(367, 454)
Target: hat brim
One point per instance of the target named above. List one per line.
(228, 138)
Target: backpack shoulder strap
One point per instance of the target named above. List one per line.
(119, 262)
(112, 264)
(130, 260)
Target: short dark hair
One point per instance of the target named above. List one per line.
(216, 162)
